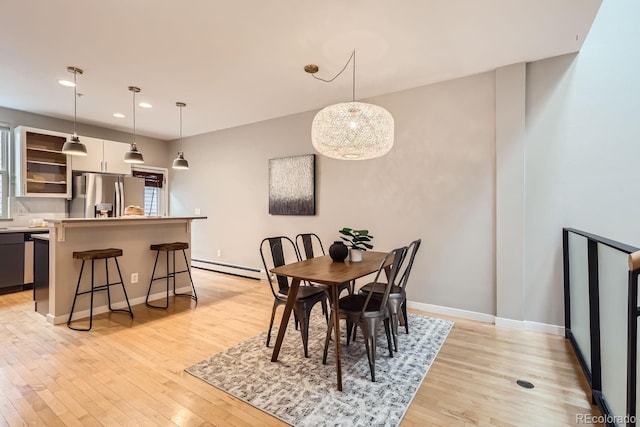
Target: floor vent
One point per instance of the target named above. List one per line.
(524, 384)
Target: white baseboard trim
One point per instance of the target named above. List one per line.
(79, 315)
(523, 325)
(526, 325)
(510, 323)
(544, 327)
(455, 312)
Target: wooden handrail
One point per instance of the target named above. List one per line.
(634, 261)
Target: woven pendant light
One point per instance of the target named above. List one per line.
(351, 130)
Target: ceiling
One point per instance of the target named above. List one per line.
(238, 62)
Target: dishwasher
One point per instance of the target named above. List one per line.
(11, 261)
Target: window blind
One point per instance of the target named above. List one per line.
(151, 179)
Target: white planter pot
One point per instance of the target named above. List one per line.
(355, 255)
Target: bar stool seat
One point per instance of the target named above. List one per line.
(171, 273)
(93, 255)
(98, 254)
(165, 247)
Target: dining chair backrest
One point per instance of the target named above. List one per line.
(281, 251)
(396, 257)
(406, 268)
(309, 245)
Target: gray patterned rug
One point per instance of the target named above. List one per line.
(302, 392)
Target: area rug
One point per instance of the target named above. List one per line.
(302, 391)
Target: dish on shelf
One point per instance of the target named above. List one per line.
(38, 223)
(41, 181)
(133, 210)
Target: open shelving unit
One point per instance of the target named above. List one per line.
(43, 170)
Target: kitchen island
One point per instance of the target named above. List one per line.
(132, 234)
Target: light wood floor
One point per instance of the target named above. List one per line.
(127, 372)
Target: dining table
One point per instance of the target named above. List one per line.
(326, 271)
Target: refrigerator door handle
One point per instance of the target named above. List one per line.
(121, 190)
(118, 196)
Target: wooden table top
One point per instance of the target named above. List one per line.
(324, 270)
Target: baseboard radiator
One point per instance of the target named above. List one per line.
(221, 267)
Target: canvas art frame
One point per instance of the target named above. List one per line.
(292, 185)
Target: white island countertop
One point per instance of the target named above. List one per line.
(120, 219)
(61, 224)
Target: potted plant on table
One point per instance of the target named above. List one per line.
(358, 242)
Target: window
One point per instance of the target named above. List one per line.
(155, 190)
(4, 172)
(151, 195)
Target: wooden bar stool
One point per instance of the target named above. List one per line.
(166, 248)
(94, 255)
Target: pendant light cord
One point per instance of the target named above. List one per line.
(75, 102)
(353, 56)
(134, 117)
(181, 128)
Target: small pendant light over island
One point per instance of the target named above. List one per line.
(133, 155)
(180, 162)
(73, 146)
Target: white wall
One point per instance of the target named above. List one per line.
(582, 151)
(436, 184)
(510, 142)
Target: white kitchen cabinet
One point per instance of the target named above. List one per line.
(113, 158)
(102, 156)
(41, 170)
(92, 162)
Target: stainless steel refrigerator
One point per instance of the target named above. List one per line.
(104, 195)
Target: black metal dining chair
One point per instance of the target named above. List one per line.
(397, 302)
(309, 246)
(281, 250)
(368, 310)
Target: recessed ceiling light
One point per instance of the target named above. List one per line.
(145, 105)
(66, 83)
(118, 115)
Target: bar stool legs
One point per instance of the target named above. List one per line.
(92, 256)
(171, 273)
(193, 295)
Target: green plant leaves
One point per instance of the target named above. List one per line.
(357, 238)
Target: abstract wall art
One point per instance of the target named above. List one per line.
(292, 185)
